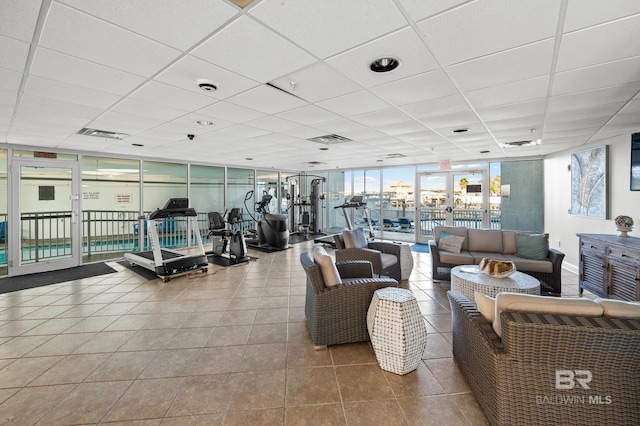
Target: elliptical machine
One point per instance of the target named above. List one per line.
(224, 237)
(272, 232)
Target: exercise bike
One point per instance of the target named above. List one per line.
(272, 230)
(223, 237)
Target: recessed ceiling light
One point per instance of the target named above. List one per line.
(324, 149)
(384, 64)
(521, 143)
(207, 85)
(486, 151)
(136, 144)
(379, 161)
(460, 130)
(205, 122)
(249, 158)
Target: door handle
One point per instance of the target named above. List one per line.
(449, 209)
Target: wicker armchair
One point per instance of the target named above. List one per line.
(383, 255)
(515, 379)
(339, 314)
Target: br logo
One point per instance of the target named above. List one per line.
(567, 379)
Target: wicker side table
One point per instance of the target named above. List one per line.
(406, 261)
(397, 330)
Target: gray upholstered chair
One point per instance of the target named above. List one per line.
(383, 255)
(338, 314)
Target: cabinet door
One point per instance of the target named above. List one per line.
(623, 281)
(592, 277)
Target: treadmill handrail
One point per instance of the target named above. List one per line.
(165, 213)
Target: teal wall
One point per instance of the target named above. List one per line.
(524, 210)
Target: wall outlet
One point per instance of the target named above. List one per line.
(558, 243)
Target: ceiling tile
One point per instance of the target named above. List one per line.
(187, 72)
(316, 83)
(530, 61)
(404, 45)
(458, 120)
(167, 21)
(438, 106)
(484, 27)
(254, 51)
(103, 43)
(231, 112)
(10, 80)
(593, 97)
(383, 117)
(420, 9)
(164, 94)
(430, 85)
(50, 117)
(602, 43)
(522, 109)
(45, 88)
(8, 97)
(14, 53)
(273, 124)
(64, 68)
(267, 99)
(308, 114)
(18, 18)
(585, 13)
(140, 108)
(354, 103)
(57, 106)
(324, 34)
(509, 93)
(597, 76)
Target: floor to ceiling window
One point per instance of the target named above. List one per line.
(3, 211)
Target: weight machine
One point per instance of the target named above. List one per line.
(169, 263)
(305, 213)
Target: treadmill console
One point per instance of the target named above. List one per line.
(174, 207)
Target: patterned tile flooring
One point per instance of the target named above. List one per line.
(227, 347)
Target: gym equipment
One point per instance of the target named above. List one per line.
(305, 212)
(224, 237)
(170, 263)
(356, 202)
(272, 230)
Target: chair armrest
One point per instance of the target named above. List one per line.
(355, 269)
(433, 248)
(556, 257)
(386, 247)
(372, 256)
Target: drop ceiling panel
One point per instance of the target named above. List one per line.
(404, 127)
(420, 9)
(533, 60)
(607, 42)
(50, 117)
(267, 99)
(254, 51)
(140, 108)
(308, 114)
(338, 126)
(325, 33)
(64, 68)
(103, 43)
(187, 71)
(245, 132)
(404, 45)
(598, 76)
(316, 83)
(10, 80)
(355, 103)
(231, 112)
(55, 90)
(171, 96)
(585, 13)
(8, 97)
(272, 124)
(466, 119)
(167, 21)
(523, 109)
(510, 93)
(430, 85)
(481, 28)
(14, 53)
(57, 106)
(598, 110)
(577, 124)
(383, 117)
(438, 106)
(189, 124)
(593, 97)
(18, 18)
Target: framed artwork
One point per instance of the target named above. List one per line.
(589, 183)
(635, 162)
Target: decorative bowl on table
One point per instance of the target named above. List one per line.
(497, 268)
(624, 224)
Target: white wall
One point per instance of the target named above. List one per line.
(562, 226)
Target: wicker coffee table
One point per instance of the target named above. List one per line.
(468, 279)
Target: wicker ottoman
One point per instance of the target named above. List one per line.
(397, 330)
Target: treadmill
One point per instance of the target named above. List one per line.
(356, 202)
(170, 263)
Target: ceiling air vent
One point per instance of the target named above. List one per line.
(330, 139)
(521, 143)
(396, 155)
(102, 133)
(315, 163)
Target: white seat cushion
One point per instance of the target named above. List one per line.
(330, 273)
(619, 308)
(388, 260)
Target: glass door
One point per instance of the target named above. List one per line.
(452, 198)
(435, 201)
(45, 221)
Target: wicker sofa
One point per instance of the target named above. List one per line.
(515, 379)
(338, 314)
(496, 244)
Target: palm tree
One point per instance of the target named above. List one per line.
(463, 183)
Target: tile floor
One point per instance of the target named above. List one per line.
(227, 347)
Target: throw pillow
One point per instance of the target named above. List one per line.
(534, 246)
(518, 302)
(354, 239)
(486, 305)
(619, 308)
(450, 242)
(327, 266)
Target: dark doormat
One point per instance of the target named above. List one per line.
(225, 261)
(40, 279)
(265, 249)
(143, 272)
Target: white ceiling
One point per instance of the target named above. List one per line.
(566, 72)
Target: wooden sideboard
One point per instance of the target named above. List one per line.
(610, 266)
